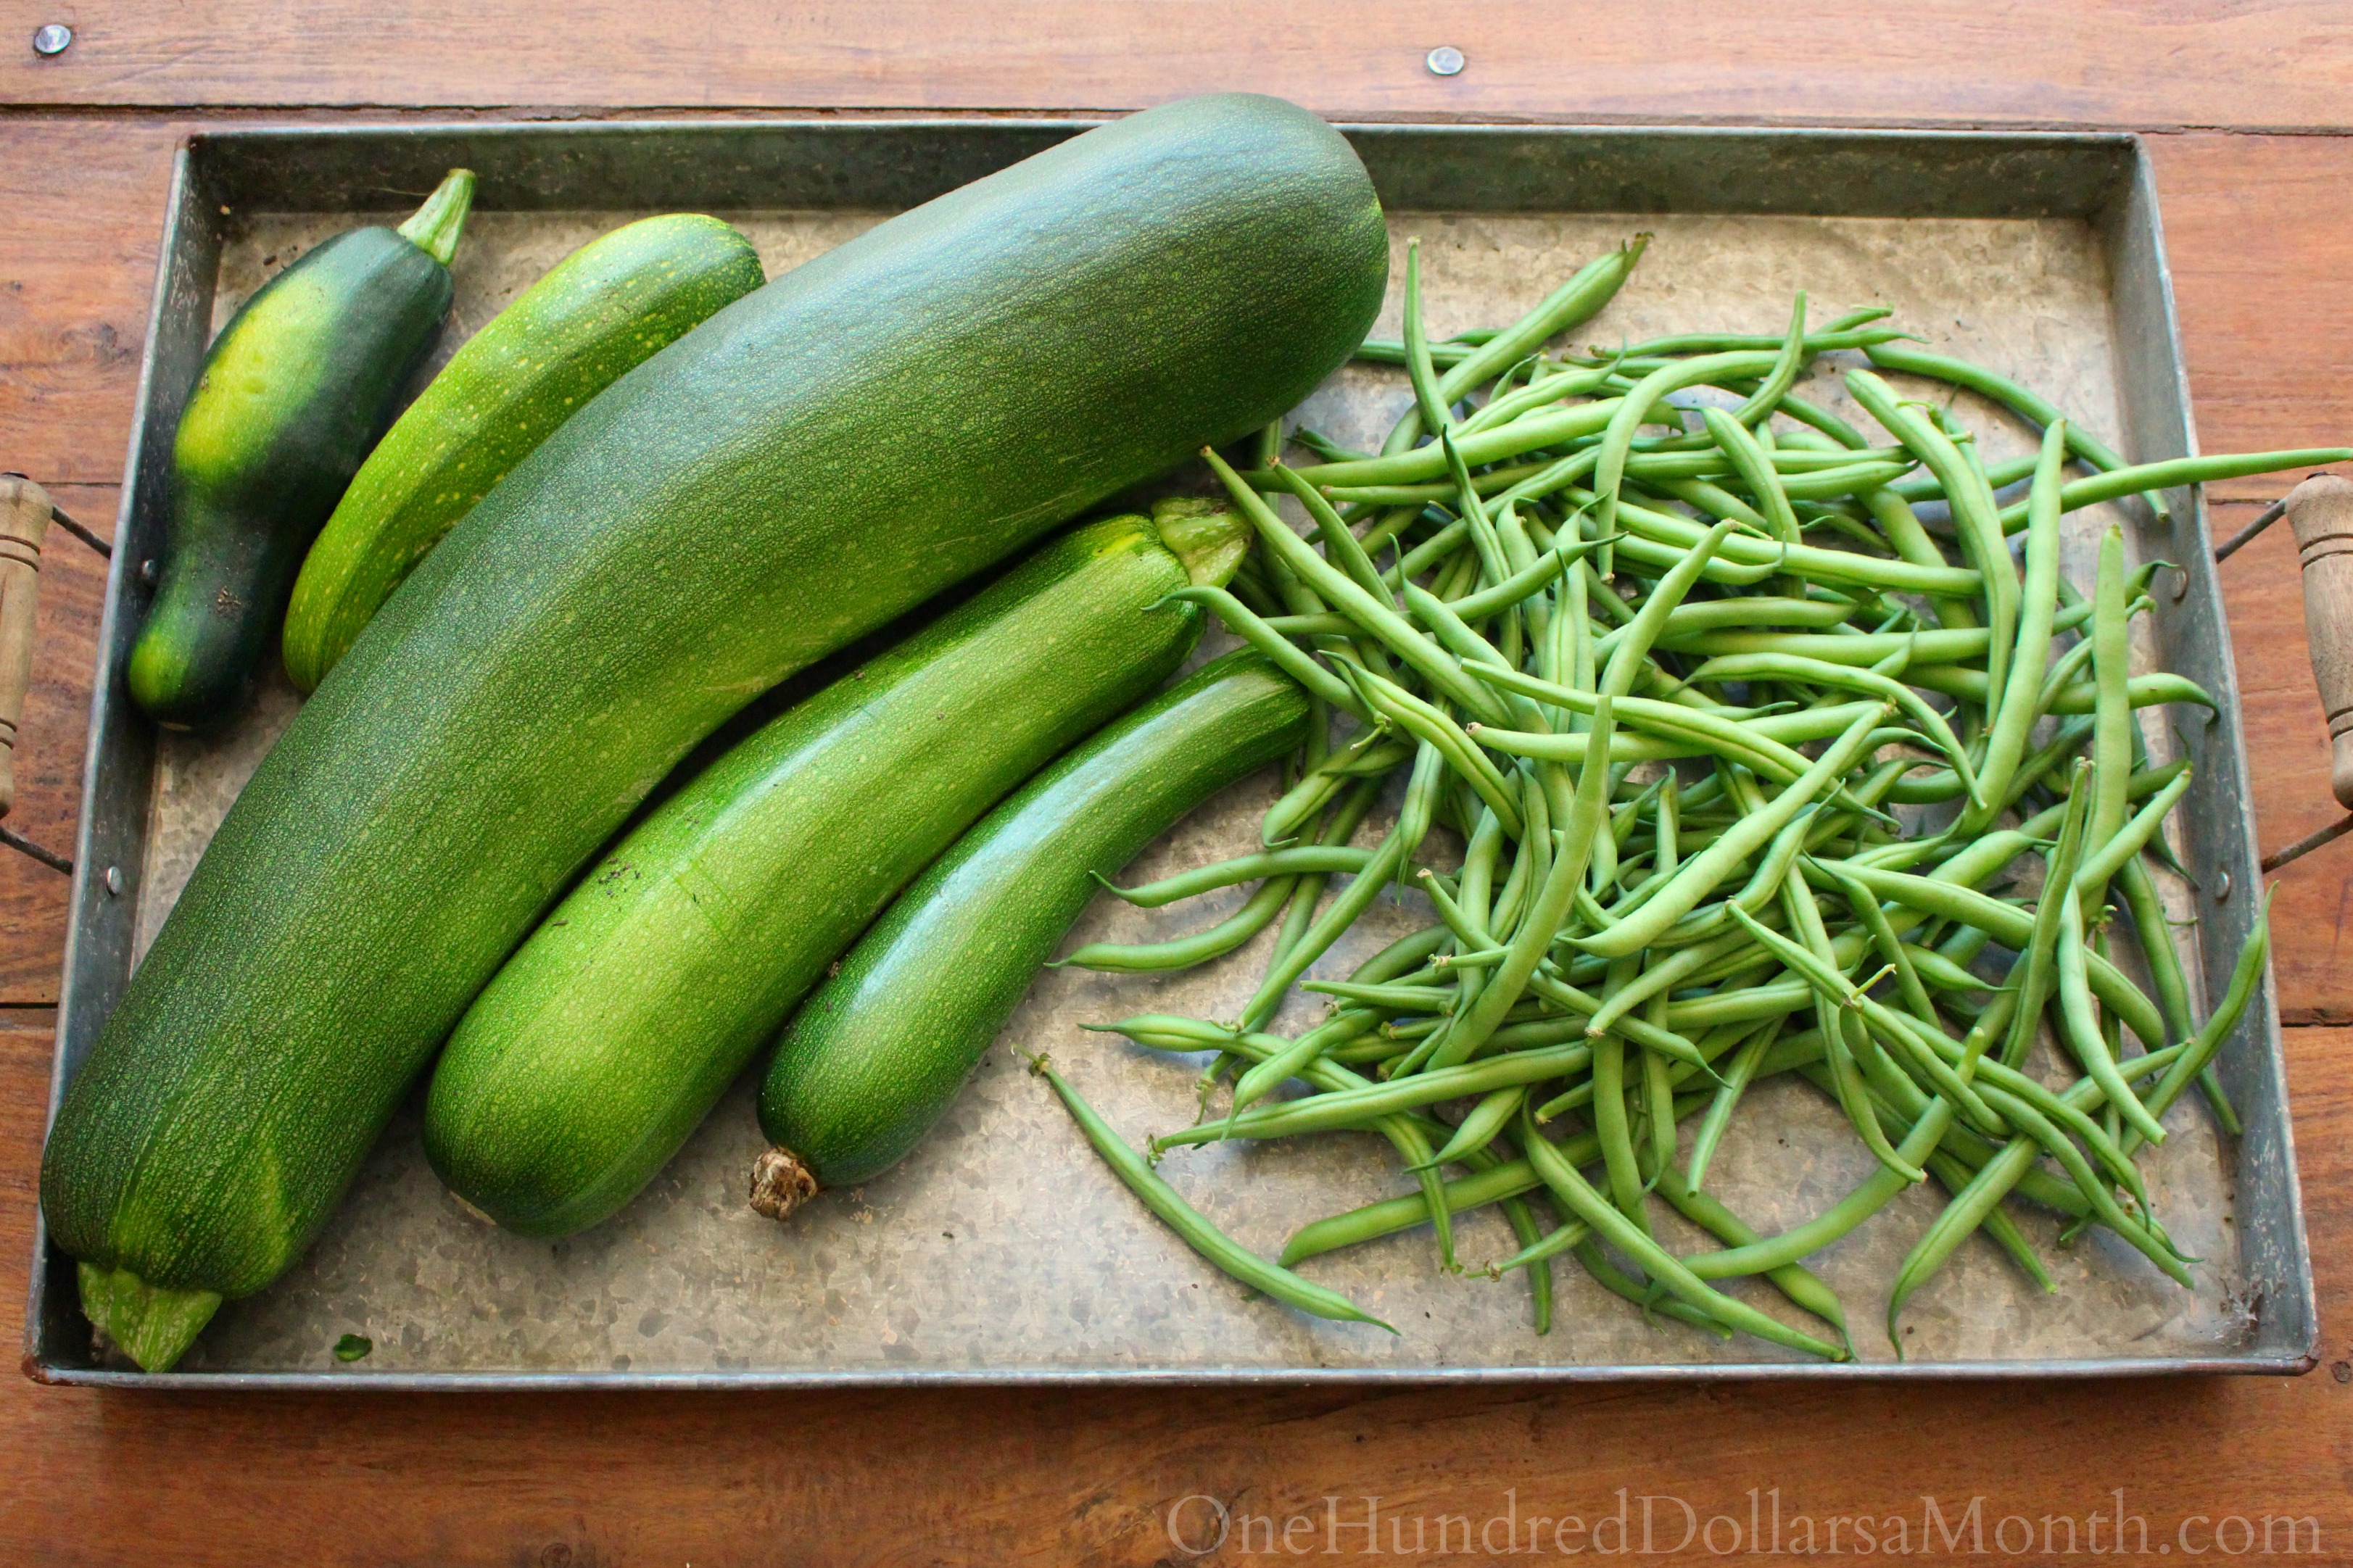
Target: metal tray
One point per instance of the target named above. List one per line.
(1002, 1251)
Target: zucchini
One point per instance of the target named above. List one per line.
(291, 395)
(609, 1036)
(812, 461)
(601, 311)
(878, 1054)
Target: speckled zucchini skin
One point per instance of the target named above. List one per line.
(599, 312)
(811, 462)
(293, 393)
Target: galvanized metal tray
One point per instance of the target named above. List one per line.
(1002, 1251)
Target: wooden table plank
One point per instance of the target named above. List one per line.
(50, 744)
(2108, 62)
(1057, 1477)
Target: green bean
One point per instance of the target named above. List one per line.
(1339, 544)
(1346, 1110)
(1202, 880)
(1842, 333)
(1431, 726)
(1743, 611)
(2177, 472)
(1530, 432)
(1817, 967)
(2004, 1088)
(1326, 929)
(1523, 1226)
(1571, 1187)
(2166, 977)
(1258, 911)
(1800, 1285)
(2047, 933)
(1539, 392)
(2077, 1012)
(1998, 476)
(1479, 1128)
(1571, 305)
(1253, 629)
(1370, 755)
(1793, 356)
(1549, 984)
(1890, 947)
(2063, 673)
(2018, 399)
(2012, 928)
(1188, 1222)
(1698, 876)
(1634, 408)
(2151, 690)
(1868, 1198)
(1971, 494)
(2123, 848)
(1467, 645)
(1409, 498)
(2246, 980)
(1508, 1179)
(1395, 998)
(1851, 478)
(1768, 558)
(1999, 1227)
(1347, 815)
(1523, 696)
(1427, 399)
(1301, 1056)
(1466, 499)
(1438, 547)
(1537, 929)
(1540, 1249)
(1756, 470)
(1823, 672)
(2112, 720)
(2038, 606)
(1520, 585)
(1695, 732)
(1373, 614)
(1322, 446)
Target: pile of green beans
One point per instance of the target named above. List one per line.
(1668, 672)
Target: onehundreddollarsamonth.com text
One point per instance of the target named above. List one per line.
(1638, 1524)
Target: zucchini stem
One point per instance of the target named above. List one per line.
(780, 1184)
(1206, 535)
(436, 226)
(153, 1325)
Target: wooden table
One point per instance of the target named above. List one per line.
(2246, 107)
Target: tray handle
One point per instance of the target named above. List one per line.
(2320, 510)
(25, 514)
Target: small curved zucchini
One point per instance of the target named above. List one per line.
(609, 1036)
(876, 1056)
(598, 314)
(292, 395)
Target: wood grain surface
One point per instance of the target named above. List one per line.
(2261, 248)
(2113, 62)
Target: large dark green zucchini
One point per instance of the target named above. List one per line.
(609, 1036)
(878, 1054)
(293, 395)
(813, 461)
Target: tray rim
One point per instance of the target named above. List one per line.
(2134, 203)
